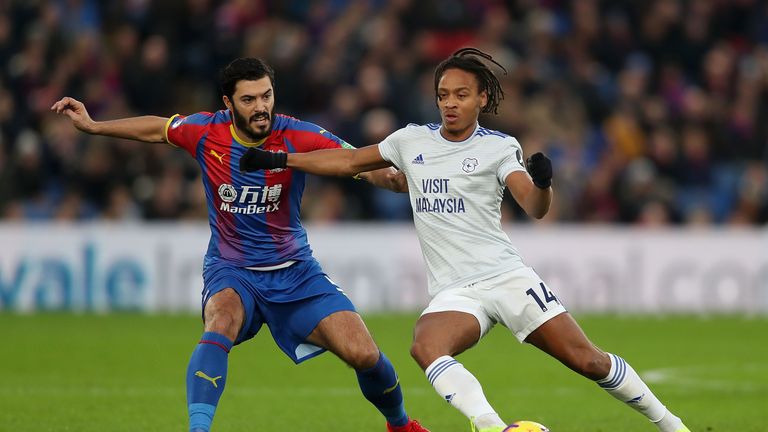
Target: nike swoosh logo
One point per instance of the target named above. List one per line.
(202, 375)
(391, 389)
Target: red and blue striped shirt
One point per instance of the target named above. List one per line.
(254, 217)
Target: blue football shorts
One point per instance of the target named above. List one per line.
(290, 301)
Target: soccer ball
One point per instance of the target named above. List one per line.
(526, 426)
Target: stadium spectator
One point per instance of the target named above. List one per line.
(588, 78)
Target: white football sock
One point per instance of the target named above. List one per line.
(625, 384)
(669, 423)
(462, 390)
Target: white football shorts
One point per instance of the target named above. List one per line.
(517, 299)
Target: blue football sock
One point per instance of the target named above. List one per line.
(206, 376)
(381, 387)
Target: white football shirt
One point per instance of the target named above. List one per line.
(456, 190)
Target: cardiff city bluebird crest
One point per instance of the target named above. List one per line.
(469, 165)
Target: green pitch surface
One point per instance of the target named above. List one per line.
(127, 372)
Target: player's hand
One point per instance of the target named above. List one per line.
(76, 111)
(540, 168)
(256, 159)
(397, 181)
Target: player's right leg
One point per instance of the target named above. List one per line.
(207, 371)
(230, 316)
(443, 332)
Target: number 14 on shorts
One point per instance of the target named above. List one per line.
(546, 295)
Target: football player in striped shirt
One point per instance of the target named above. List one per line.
(259, 267)
(457, 172)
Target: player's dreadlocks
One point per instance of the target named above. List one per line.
(466, 59)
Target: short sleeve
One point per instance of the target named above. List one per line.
(389, 148)
(186, 131)
(512, 159)
(313, 137)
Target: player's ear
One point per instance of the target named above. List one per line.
(227, 102)
(483, 99)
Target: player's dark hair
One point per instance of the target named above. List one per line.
(245, 68)
(467, 59)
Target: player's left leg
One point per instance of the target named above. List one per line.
(562, 338)
(344, 334)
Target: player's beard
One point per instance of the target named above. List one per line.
(244, 124)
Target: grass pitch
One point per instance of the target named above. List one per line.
(126, 373)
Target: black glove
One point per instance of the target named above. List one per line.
(256, 159)
(540, 168)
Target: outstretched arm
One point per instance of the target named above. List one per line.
(386, 178)
(533, 192)
(335, 162)
(144, 128)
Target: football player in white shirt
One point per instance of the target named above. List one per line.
(456, 174)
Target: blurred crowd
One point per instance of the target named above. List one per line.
(653, 112)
